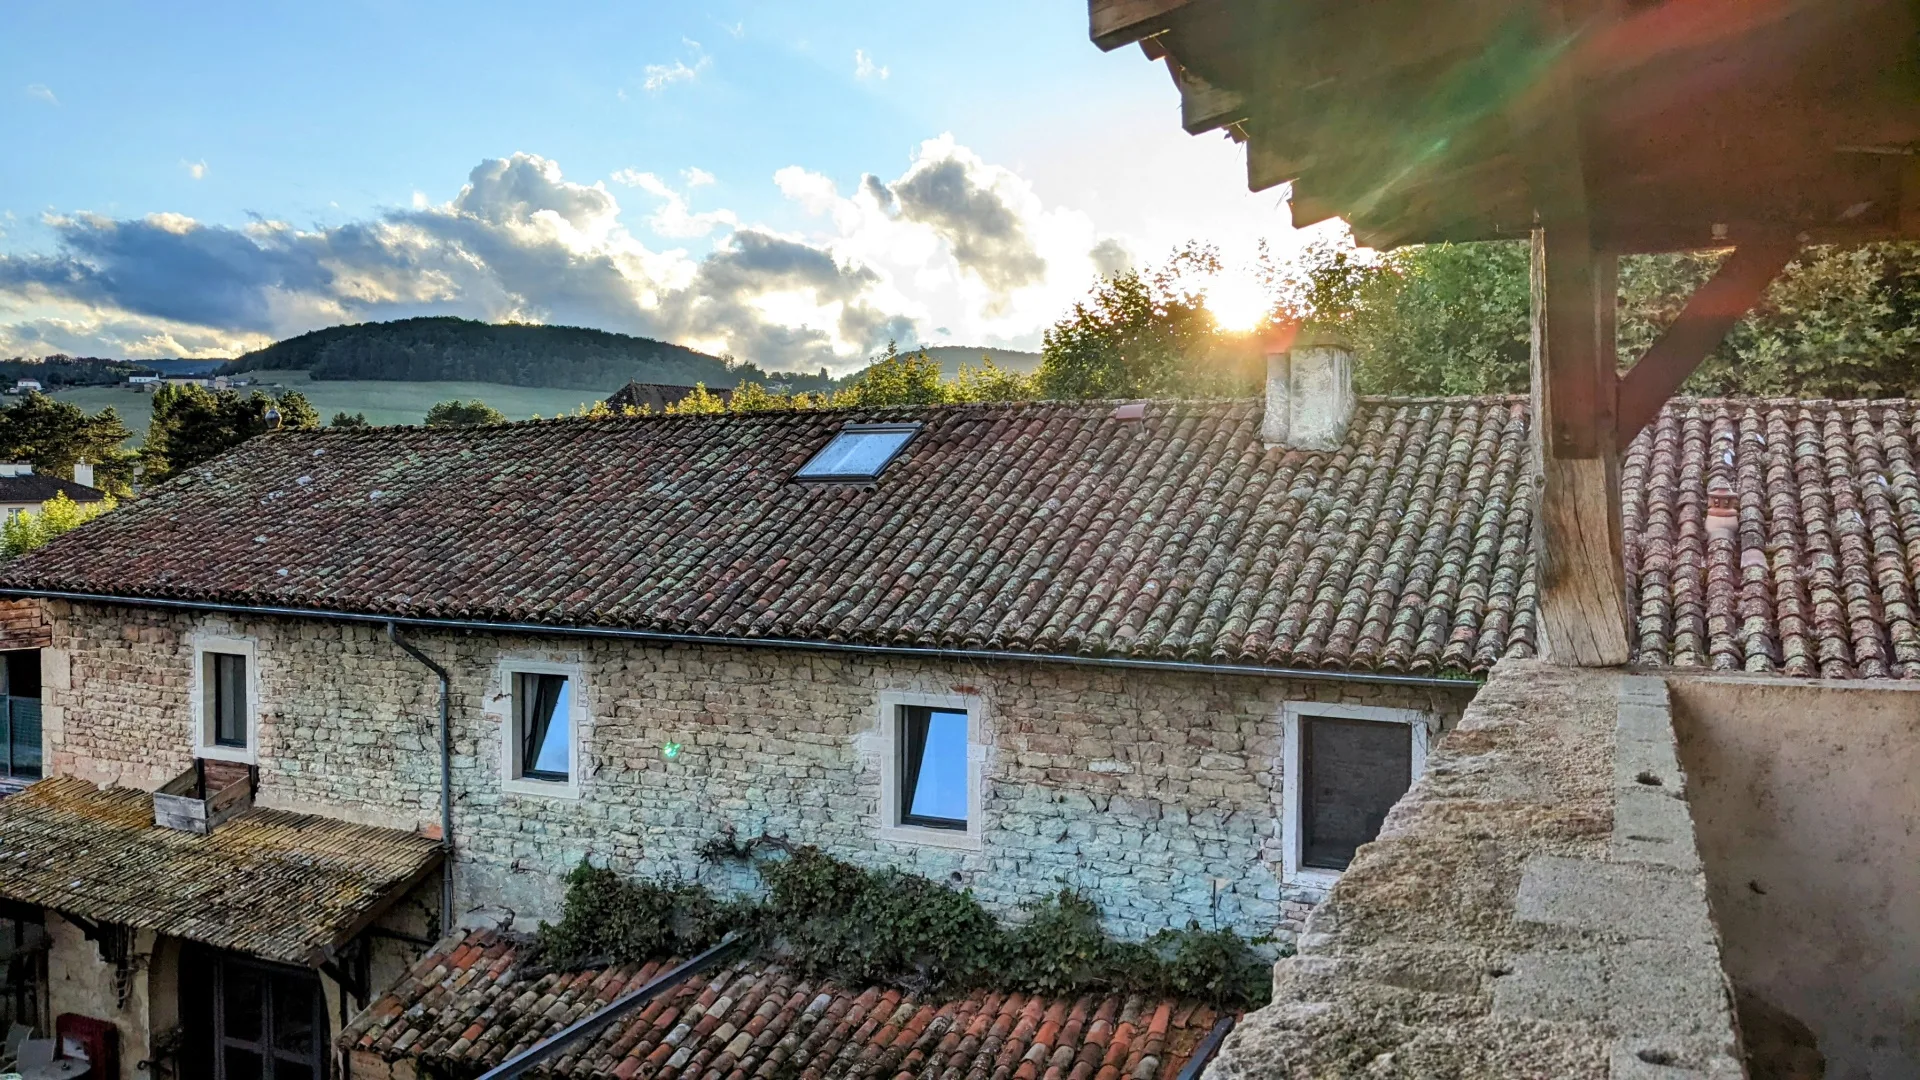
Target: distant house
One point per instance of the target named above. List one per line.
(655, 397)
(187, 380)
(143, 382)
(24, 491)
(26, 386)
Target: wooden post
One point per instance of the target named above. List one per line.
(1581, 573)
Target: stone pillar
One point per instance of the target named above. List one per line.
(1309, 395)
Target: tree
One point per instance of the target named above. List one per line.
(897, 379)
(700, 401)
(349, 420)
(55, 435)
(464, 414)
(192, 424)
(57, 515)
(990, 382)
(1147, 335)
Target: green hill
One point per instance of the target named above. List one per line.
(441, 349)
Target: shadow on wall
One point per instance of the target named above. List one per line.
(1805, 799)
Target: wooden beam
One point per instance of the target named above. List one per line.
(1581, 573)
(1204, 106)
(1702, 325)
(1114, 23)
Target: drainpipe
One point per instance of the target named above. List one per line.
(446, 779)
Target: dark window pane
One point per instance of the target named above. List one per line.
(229, 699)
(1353, 773)
(242, 992)
(24, 735)
(856, 454)
(933, 789)
(292, 1070)
(293, 1011)
(542, 706)
(23, 673)
(242, 1065)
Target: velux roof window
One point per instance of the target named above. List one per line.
(859, 452)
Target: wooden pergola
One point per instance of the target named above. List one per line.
(1598, 128)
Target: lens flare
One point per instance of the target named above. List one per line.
(1238, 304)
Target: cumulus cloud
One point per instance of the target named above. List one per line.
(42, 92)
(195, 169)
(865, 68)
(1111, 256)
(518, 241)
(674, 218)
(952, 243)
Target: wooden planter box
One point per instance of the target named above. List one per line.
(198, 800)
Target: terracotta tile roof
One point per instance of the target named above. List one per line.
(467, 1006)
(1057, 529)
(275, 884)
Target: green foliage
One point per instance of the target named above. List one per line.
(349, 420)
(443, 348)
(192, 424)
(897, 379)
(55, 435)
(1440, 319)
(464, 414)
(1137, 335)
(701, 401)
(991, 382)
(831, 919)
(57, 515)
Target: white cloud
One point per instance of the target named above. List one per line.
(42, 92)
(953, 248)
(661, 76)
(195, 169)
(865, 68)
(674, 218)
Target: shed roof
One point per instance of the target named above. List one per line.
(37, 488)
(278, 885)
(469, 1004)
(1057, 530)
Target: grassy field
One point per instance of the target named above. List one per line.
(382, 402)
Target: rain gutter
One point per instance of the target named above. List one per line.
(663, 637)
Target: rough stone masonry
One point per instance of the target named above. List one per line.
(1157, 793)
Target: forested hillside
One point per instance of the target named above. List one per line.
(451, 349)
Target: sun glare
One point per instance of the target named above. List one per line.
(1238, 303)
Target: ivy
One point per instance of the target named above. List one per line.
(831, 919)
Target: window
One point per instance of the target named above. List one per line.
(933, 767)
(859, 452)
(542, 711)
(226, 700)
(931, 762)
(540, 705)
(228, 678)
(1345, 767)
(269, 1022)
(20, 715)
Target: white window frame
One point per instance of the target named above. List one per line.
(888, 746)
(502, 711)
(1420, 727)
(200, 700)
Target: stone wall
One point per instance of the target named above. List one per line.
(1533, 907)
(1157, 793)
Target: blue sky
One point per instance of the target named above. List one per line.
(197, 179)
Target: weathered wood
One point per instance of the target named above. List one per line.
(1115, 23)
(1204, 106)
(1581, 574)
(1710, 312)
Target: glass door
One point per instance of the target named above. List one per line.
(269, 1022)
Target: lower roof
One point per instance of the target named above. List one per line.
(470, 1004)
(278, 885)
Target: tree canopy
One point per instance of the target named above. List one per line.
(464, 414)
(193, 424)
(32, 529)
(55, 435)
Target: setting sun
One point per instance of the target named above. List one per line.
(1238, 303)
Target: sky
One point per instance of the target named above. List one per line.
(793, 183)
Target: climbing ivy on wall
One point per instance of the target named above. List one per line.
(831, 919)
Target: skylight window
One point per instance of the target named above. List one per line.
(859, 452)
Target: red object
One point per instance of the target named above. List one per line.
(100, 1040)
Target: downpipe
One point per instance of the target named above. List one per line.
(446, 777)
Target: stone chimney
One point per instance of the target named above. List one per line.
(83, 473)
(1309, 393)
